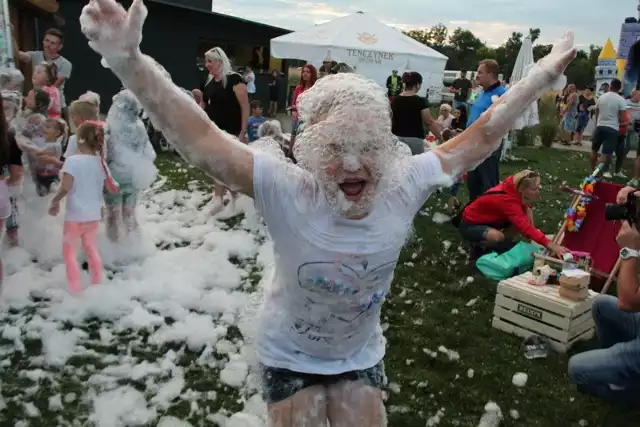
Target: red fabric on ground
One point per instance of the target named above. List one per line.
(598, 236)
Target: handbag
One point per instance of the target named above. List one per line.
(515, 261)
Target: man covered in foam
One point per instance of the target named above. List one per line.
(130, 157)
(338, 220)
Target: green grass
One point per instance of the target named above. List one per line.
(430, 285)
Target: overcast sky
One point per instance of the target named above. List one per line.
(490, 20)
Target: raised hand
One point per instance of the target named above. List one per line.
(482, 138)
(112, 31)
(546, 75)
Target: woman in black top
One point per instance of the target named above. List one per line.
(410, 113)
(225, 95)
(226, 101)
(274, 91)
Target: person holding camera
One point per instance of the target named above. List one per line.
(613, 372)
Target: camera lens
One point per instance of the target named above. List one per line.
(615, 212)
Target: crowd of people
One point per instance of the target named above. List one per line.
(338, 198)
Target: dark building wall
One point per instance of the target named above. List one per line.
(171, 35)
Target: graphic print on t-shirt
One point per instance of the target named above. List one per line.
(340, 297)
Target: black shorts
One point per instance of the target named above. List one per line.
(280, 384)
(606, 138)
(44, 183)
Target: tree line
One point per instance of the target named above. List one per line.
(465, 50)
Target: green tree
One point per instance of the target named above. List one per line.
(541, 50)
(438, 35)
(464, 47)
(423, 36)
(534, 34)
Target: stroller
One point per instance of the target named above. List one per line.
(596, 236)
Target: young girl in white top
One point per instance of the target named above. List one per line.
(83, 177)
(338, 219)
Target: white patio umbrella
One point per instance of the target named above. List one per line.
(523, 64)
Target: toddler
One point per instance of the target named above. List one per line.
(255, 121)
(44, 77)
(30, 127)
(83, 177)
(48, 162)
(130, 157)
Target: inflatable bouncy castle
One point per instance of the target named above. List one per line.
(628, 58)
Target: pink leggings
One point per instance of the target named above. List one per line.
(74, 233)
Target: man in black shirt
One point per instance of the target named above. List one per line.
(461, 88)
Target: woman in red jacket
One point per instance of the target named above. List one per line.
(502, 209)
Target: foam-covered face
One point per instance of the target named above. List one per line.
(127, 103)
(346, 141)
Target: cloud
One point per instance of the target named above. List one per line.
(492, 21)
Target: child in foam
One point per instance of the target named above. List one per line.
(5, 202)
(83, 177)
(30, 127)
(338, 219)
(11, 101)
(130, 157)
(44, 77)
(48, 155)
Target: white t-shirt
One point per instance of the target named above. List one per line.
(84, 201)
(609, 106)
(322, 309)
(250, 78)
(72, 147)
(634, 109)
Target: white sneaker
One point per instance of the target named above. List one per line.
(621, 175)
(607, 175)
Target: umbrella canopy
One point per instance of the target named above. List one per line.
(373, 48)
(523, 64)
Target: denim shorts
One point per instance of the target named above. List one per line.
(280, 384)
(475, 233)
(606, 138)
(127, 197)
(583, 121)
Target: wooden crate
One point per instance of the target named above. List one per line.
(524, 310)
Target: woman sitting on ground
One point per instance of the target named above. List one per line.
(487, 221)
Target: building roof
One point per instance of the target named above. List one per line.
(181, 5)
(608, 51)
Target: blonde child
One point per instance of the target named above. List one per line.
(80, 111)
(44, 77)
(83, 177)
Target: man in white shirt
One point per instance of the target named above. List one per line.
(610, 116)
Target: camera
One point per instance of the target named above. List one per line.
(624, 211)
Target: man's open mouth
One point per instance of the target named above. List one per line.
(352, 189)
